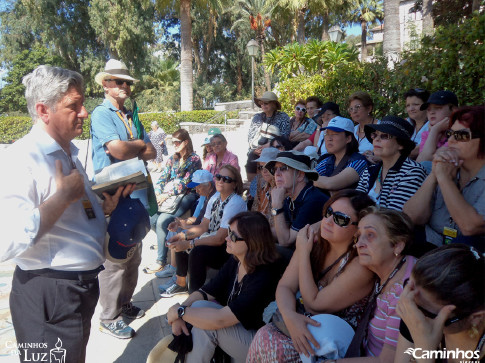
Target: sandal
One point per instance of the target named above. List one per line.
(154, 267)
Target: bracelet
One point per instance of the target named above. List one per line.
(185, 234)
(192, 243)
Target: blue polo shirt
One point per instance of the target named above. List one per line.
(307, 207)
(106, 126)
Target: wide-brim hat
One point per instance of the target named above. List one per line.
(114, 68)
(267, 154)
(129, 224)
(161, 352)
(333, 335)
(296, 160)
(395, 126)
(268, 97)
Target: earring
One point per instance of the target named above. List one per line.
(473, 332)
(396, 254)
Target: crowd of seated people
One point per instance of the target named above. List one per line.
(349, 206)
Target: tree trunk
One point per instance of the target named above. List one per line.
(476, 5)
(267, 80)
(325, 26)
(428, 23)
(301, 25)
(186, 79)
(239, 82)
(363, 41)
(392, 30)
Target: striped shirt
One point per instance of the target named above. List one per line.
(401, 182)
(384, 325)
(356, 161)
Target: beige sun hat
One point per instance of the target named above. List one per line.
(114, 68)
(268, 97)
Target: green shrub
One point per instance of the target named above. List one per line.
(453, 58)
(13, 127)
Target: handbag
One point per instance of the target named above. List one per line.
(265, 134)
(171, 204)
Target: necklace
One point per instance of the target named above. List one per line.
(378, 288)
(236, 288)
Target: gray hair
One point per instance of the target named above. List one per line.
(154, 123)
(48, 85)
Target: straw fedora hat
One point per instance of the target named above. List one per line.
(268, 97)
(161, 352)
(114, 68)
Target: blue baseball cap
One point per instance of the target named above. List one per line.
(199, 177)
(128, 225)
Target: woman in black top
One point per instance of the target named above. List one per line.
(443, 307)
(243, 288)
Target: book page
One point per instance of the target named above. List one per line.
(120, 170)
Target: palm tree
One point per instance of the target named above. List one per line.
(392, 29)
(363, 13)
(427, 17)
(259, 13)
(186, 78)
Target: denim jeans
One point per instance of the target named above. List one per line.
(161, 221)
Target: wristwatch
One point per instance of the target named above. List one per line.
(181, 311)
(276, 211)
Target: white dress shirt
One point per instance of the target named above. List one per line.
(74, 243)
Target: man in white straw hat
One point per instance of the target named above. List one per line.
(295, 202)
(116, 137)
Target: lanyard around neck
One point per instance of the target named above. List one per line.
(128, 126)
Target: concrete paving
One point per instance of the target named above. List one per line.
(153, 326)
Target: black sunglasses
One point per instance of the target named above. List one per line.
(280, 168)
(462, 135)
(120, 82)
(339, 218)
(431, 315)
(225, 179)
(260, 167)
(382, 136)
(233, 237)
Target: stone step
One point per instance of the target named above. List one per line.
(195, 127)
(247, 114)
(238, 121)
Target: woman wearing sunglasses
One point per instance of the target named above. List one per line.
(442, 306)
(302, 127)
(451, 202)
(242, 289)
(328, 276)
(173, 181)
(395, 179)
(383, 237)
(220, 155)
(205, 242)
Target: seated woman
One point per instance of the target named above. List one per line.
(327, 274)
(342, 166)
(242, 289)
(173, 181)
(395, 179)
(442, 307)
(361, 109)
(383, 238)
(327, 112)
(302, 127)
(451, 201)
(206, 151)
(220, 155)
(414, 99)
(206, 240)
(263, 183)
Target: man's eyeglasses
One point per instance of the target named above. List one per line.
(119, 82)
(302, 109)
(382, 136)
(233, 237)
(280, 168)
(462, 135)
(355, 108)
(225, 179)
(339, 218)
